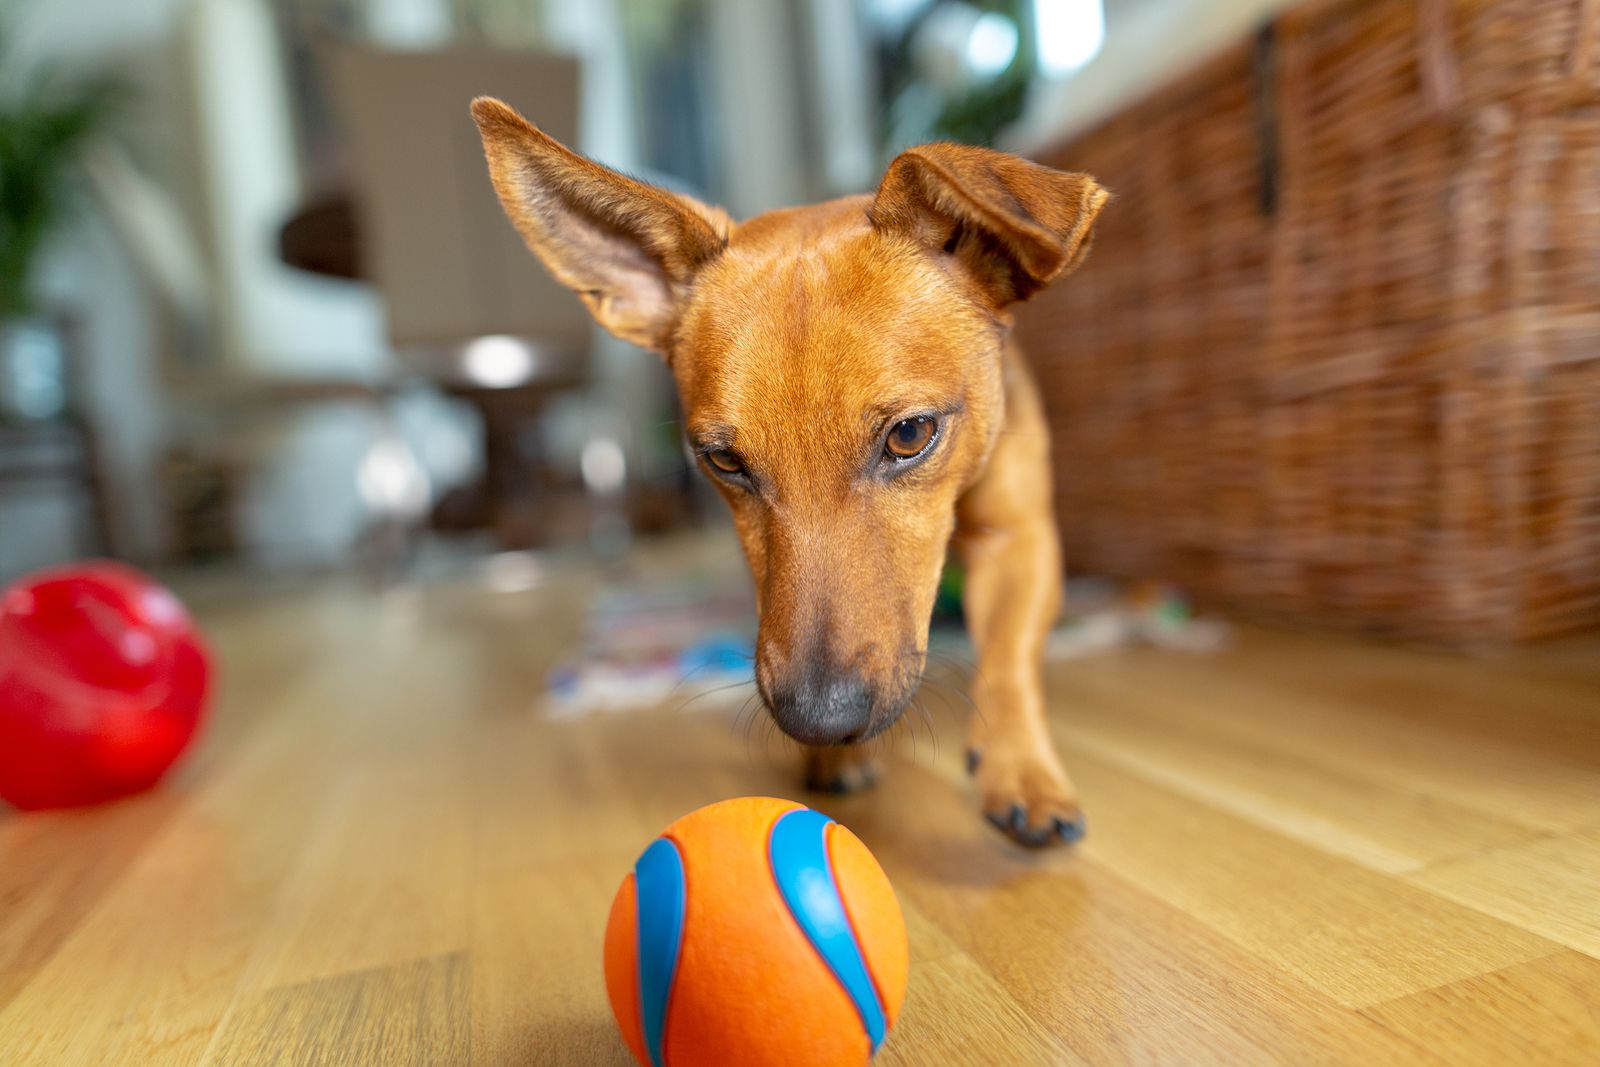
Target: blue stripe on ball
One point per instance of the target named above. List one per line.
(659, 889)
(799, 852)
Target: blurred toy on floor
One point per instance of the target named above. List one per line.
(692, 640)
(684, 640)
(103, 685)
(1103, 615)
(1100, 615)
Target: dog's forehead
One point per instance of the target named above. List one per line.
(828, 324)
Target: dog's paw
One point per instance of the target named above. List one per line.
(1026, 795)
(841, 770)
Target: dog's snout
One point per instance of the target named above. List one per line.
(824, 707)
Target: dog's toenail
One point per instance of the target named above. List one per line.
(999, 822)
(1036, 838)
(973, 759)
(1070, 830)
(1019, 818)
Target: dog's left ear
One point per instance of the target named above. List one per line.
(1013, 225)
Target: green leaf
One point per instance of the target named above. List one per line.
(48, 118)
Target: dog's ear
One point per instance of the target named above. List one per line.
(1014, 226)
(629, 249)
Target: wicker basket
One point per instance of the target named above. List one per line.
(1336, 353)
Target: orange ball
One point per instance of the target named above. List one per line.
(755, 932)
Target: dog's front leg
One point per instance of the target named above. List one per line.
(840, 768)
(1007, 542)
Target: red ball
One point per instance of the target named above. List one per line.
(103, 682)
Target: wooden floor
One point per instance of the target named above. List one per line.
(1302, 851)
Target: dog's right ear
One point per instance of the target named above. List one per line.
(629, 249)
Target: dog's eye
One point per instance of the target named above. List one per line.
(724, 461)
(908, 438)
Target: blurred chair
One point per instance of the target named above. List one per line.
(468, 307)
(53, 451)
(223, 421)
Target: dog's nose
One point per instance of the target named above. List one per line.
(823, 707)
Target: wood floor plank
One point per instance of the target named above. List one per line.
(1356, 936)
(145, 975)
(1117, 974)
(410, 1014)
(676, 761)
(1544, 1012)
(1550, 886)
(956, 1013)
(384, 878)
(1413, 743)
(1368, 818)
(55, 868)
(538, 992)
(1502, 698)
(529, 796)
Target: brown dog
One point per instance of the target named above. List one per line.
(850, 387)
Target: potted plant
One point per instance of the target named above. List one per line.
(48, 119)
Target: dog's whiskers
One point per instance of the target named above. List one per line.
(748, 712)
(927, 719)
(930, 659)
(766, 744)
(944, 690)
(710, 692)
(960, 666)
(708, 665)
